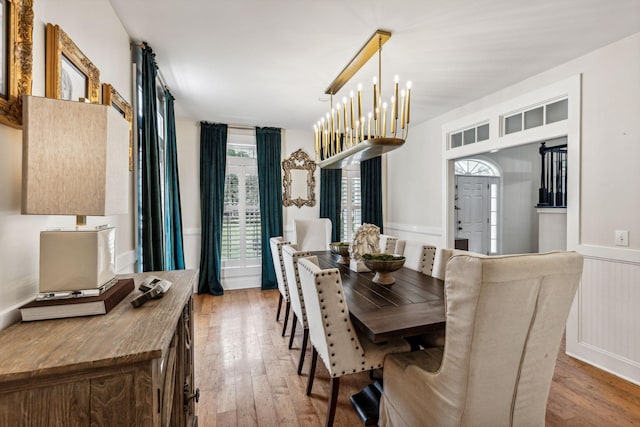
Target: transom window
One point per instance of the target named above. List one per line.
(475, 167)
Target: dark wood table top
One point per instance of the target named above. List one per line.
(412, 306)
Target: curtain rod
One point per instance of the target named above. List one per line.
(143, 45)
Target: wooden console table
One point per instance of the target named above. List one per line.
(132, 366)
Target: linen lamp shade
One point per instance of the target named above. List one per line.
(75, 158)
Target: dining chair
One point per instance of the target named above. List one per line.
(276, 244)
(505, 319)
(419, 256)
(436, 337)
(312, 234)
(342, 349)
(388, 244)
(441, 265)
(291, 255)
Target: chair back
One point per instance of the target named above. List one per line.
(505, 320)
(400, 247)
(330, 328)
(440, 266)
(276, 244)
(312, 234)
(419, 256)
(291, 255)
(388, 244)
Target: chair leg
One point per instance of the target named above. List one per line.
(303, 349)
(333, 400)
(279, 307)
(293, 329)
(286, 317)
(312, 371)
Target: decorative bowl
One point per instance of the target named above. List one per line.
(383, 265)
(342, 249)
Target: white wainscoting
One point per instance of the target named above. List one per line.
(604, 325)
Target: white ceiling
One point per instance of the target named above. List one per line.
(268, 62)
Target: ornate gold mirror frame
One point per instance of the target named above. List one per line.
(18, 26)
(299, 160)
(59, 45)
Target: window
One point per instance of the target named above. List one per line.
(535, 117)
(241, 221)
(469, 135)
(351, 209)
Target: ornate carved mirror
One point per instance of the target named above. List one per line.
(299, 181)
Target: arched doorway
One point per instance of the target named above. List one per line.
(477, 204)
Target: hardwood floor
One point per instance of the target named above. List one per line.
(247, 375)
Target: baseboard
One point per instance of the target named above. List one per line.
(608, 362)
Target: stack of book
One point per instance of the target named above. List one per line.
(56, 305)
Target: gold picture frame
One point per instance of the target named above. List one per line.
(18, 27)
(69, 73)
(110, 96)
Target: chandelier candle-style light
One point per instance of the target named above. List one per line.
(343, 137)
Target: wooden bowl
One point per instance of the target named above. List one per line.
(383, 265)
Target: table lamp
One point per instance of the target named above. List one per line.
(74, 162)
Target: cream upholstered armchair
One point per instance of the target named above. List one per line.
(505, 320)
(419, 257)
(312, 234)
(276, 244)
(342, 349)
(388, 244)
(290, 255)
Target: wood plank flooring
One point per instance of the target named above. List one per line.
(247, 375)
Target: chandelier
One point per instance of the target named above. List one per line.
(345, 135)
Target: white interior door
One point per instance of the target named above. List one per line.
(473, 211)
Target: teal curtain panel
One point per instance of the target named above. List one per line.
(330, 195)
(213, 159)
(268, 149)
(152, 227)
(371, 181)
(173, 213)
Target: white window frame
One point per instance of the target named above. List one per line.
(346, 202)
(241, 166)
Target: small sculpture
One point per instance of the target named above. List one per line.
(365, 241)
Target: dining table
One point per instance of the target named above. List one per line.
(412, 306)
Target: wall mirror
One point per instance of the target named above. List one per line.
(298, 180)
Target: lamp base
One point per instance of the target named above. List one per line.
(76, 260)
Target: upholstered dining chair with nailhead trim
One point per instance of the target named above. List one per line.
(291, 255)
(276, 244)
(419, 256)
(342, 349)
(388, 244)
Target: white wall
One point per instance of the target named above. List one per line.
(520, 168)
(107, 45)
(610, 149)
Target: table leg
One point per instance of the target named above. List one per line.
(367, 403)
